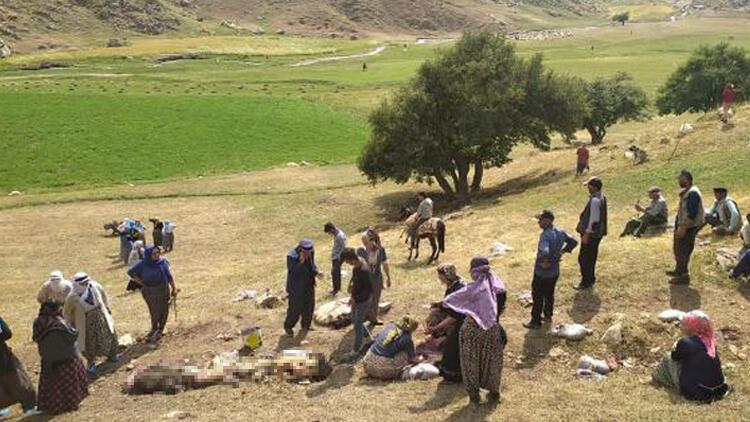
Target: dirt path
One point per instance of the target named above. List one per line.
(335, 58)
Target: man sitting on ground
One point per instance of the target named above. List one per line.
(724, 214)
(655, 214)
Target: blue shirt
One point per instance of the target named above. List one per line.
(552, 243)
(399, 342)
(151, 273)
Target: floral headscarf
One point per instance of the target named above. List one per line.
(697, 323)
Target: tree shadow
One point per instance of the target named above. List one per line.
(684, 298)
(586, 305)
(445, 394)
(519, 185)
(536, 346)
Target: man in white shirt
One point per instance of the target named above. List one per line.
(654, 214)
(424, 212)
(724, 214)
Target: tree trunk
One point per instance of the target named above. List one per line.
(462, 182)
(597, 135)
(476, 184)
(443, 182)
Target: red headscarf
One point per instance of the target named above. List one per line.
(697, 324)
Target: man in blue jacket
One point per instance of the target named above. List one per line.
(553, 243)
(300, 286)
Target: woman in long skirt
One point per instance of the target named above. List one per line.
(62, 381)
(87, 310)
(376, 257)
(15, 385)
(481, 338)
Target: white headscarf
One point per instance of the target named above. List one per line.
(82, 289)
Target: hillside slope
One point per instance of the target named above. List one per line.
(41, 24)
(224, 246)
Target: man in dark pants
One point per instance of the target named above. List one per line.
(592, 226)
(690, 219)
(553, 242)
(300, 286)
(339, 244)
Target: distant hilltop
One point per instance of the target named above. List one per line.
(37, 25)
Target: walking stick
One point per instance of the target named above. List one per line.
(677, 144)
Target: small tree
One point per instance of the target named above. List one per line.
(466, 110)
(697, 85)
(610, 101)
(621, 17)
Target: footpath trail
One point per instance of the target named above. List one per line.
(374, 52)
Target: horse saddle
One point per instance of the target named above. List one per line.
(427, 228)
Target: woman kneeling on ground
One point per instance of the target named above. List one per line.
(448, 328)
(481, 337)
(62, 381)
(392, 351)
(154, 274)
(693, 369)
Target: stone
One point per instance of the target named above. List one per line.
(573, 332)
(292, 164)
(14, 193)
(598, 366)
(671, 315)
(557, 352)
(126, 340)
(613, 335)
(5, 50)
(115, 42)
(281, 32)
(177, 414)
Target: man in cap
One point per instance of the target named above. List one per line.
(724, 214)
(654, 214)
(339, 244)
(592, 226)
(690, 219)
(553, 243)
(300, 286)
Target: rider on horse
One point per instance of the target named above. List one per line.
(424, 213)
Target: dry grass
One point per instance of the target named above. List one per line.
(234, 232)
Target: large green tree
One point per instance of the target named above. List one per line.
(697, 85)
(611, 100)
(466, 110)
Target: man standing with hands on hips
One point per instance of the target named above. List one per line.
(592, 226)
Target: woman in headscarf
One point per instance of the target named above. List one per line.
(154, 274)
(392, 351)
(126, 239)
(376, 257)
(15, 385)
(693, 369)
(449, 325)
(481, 337)
(57, 288)
(87, 310)
(136, 255)
(62, 381)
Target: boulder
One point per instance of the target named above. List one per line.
(5, 50)
(727, 258)
(671, 315)
(613, 335)
(126, 340)
(115, 42)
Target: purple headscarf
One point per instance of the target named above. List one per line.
(478, 299)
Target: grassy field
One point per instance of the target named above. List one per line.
(234, 231)
(243, 94)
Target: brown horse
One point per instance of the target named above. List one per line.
(433, 229)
